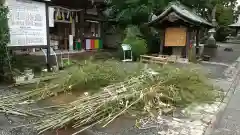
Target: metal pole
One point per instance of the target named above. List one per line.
(48, 39)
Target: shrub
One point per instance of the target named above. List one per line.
(135, 40)
(222, 33)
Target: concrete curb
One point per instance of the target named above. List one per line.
(219, 114)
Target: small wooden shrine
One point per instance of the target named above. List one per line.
(180, 28)
(77, 24)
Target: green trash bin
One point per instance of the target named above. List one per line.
(100, 44)
(78, 46)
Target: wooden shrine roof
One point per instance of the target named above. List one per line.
(181, 12)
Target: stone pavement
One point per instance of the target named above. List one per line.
(227, 57)
(229, 122)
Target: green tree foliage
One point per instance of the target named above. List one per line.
(134, 12)
(130, 10)
(4, 39)
(225, 17)
(137, 12)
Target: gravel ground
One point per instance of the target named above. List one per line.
(215, 71)
(8, 122)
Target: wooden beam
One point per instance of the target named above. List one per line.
(73, 4)
(197, 42)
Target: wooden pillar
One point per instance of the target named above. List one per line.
(82, 22)
(101, 28)
(102, 33)
(162, 41)
(48, 39)
(197, 42)
(188, 42)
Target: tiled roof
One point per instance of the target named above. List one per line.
(235, 25)
(184, 13)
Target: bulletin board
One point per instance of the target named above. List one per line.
(175, 37)
(27, 23)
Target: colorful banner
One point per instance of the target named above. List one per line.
(93, 44)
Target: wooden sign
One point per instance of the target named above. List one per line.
(175, 37)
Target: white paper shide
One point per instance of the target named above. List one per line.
(27, 23)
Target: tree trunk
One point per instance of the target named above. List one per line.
(1, 73)
(214, 21)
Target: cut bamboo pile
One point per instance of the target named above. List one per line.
(103, 107)
(148, 94)
(145, 91)
(89, 75)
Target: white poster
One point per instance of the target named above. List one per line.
(27, 23)
(51, 16)
(70, 42)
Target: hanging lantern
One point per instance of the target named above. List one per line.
(68, 14)
(63, 16)
(58, 15)
(71, 19)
